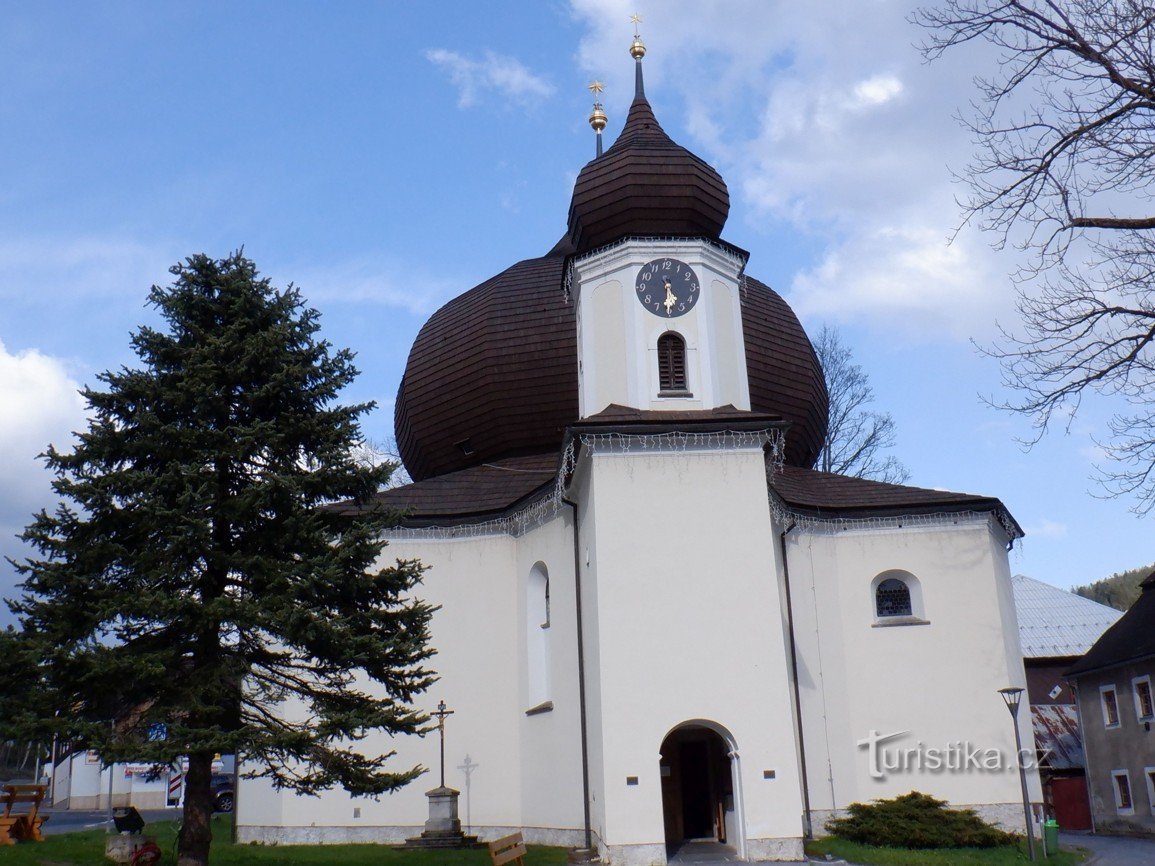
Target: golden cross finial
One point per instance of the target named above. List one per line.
(636, 19)
(595, 87)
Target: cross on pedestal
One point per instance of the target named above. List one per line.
(441, 713)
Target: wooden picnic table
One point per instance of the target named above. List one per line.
(21, 820)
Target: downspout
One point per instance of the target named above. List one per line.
(807, 827)
(581, 659)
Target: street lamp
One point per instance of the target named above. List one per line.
(1011, 697)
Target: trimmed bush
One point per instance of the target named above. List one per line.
(916, 820)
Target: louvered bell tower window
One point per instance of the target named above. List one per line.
(672, 366)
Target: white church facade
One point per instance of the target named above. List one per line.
(657, 623)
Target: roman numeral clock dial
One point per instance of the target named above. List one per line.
(667, 287)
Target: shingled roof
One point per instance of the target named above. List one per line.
(1131, 639)
(472, 495)
(498, 488)
(646, 184)
(824, 494)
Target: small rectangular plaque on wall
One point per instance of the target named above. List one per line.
(631, 780)
(768, 774)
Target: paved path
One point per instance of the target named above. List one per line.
(72, 821)
(1113, 850)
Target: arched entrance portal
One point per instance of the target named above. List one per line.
(699, 805)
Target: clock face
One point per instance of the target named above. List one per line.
(667, 287)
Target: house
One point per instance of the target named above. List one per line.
(1056, 627)
(660, 631)
(1113, 684)
(79, 780)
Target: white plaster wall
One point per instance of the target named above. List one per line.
(527, 768)
(937, 681)
(603, 362)
(582, 493)
(550, 760)
(725, 321)
(688, 628)
(476, 634)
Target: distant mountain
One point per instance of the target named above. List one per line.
(1119, 590)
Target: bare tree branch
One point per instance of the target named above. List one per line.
(1065, 169)
(855, 435)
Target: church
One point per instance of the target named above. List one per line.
(658, 625)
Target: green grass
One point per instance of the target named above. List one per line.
(87, 849)
(871, 856)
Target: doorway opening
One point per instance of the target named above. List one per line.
(698, 803)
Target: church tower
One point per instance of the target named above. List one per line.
(658, 294)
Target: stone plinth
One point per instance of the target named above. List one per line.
(443, 829)
(121, 847)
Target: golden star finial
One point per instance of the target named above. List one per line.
(595, 87)
(635, 19)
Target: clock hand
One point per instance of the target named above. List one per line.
(671, 298)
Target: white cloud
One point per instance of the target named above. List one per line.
(907, 278)
(876, 90)
(1046, 529)
(372, 282)
(39, 404)
(825, 117)
(500, 73)
(90, 266)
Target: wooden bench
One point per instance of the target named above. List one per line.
(21, 821)
(508, 849)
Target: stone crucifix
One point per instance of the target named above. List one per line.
(441, 713)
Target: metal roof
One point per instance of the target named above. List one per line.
(1057, 735)
(1055, 622)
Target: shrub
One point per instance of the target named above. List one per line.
(916, 820)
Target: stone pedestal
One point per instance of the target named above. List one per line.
(443, 829)
(121, 847)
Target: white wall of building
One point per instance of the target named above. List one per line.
(937, 681)
(686, 602)
(526, 769)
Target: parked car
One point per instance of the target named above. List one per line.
(222, 789)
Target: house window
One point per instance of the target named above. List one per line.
(1149, 772)
(671, 364)
(892, 598)
(1123, 803)
(1110, 706)
(1144, 706)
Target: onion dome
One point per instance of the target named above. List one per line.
(645, 184)
(493, 373)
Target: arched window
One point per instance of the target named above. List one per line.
(897, 599)
(671, 363)
(537, 649)
(892, 598)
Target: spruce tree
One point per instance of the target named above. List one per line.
(196, 574)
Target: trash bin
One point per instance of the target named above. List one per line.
(1051, 836)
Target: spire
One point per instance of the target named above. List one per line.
(638, 51)
(597, 116)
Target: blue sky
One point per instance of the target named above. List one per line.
(386, 156)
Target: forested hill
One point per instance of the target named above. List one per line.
(1119, 590)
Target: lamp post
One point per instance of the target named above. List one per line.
(1011, 697)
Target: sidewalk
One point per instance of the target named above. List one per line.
(1112, 850)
